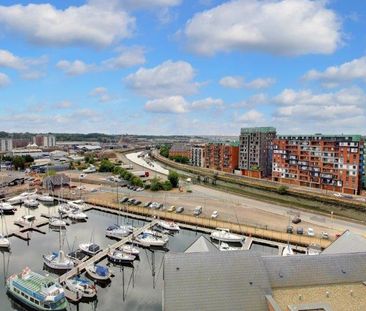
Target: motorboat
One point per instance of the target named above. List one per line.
(224, 235)
(16, 200)
(7, 208)
(77, 204)
(25, 220)
(119, 257)
(287, 251)
(82, 287)
(77, 215)
(168, 225)
(29, 195)
(118, 231)
(130, 249)
(45, 198)
(226, 247)
(98, 272)
(151, 238)
(4, 242)
(58, 261)
(31, 203)
(65, 208)
(90, 249)
(37, 291)
(56, 222)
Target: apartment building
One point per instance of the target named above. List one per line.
(330, 162)
(20, 142)
(255, 153)
(6, 144)
(222, 156)
(198, 155)
(44, 141)
(180, 149)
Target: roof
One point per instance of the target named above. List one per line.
(234, 280)
(348, 242)
(267, 129)
(202, 244)
(56, 180)
(350, 137)
(180, 147)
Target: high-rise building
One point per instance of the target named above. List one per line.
(6, 144)
(255, 153)
(20, 142)
(222, 156)
(330, 162)
(45, 140)
(363, 157)
(198, 155)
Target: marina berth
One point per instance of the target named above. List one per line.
(224, 235)
(36, 291)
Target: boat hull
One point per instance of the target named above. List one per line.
(96, 276)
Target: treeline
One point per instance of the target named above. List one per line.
(100, 137)
(19, 162)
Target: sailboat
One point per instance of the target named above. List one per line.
(118, 231)
(98, 272)
(7, 208)
(287, 251)
(90, 248)
(4, 242)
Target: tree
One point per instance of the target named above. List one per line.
(106, 166)
(164, 151)
(19, 162)
(28, 159)
(155, 184)
(167, 185)
(173, 178)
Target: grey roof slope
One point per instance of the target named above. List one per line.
(202, 244)
(234, 280)
(304, 270)
(348, 242)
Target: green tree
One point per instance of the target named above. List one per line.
(167, 185)
(155, 184)
(164, 151)
(19, 162)
(106, 166)
(28, 159)
(173, 177)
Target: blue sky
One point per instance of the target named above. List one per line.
(183, 67)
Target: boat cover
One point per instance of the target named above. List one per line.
(102, 271)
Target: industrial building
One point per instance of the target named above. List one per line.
(222, 156)
(330, 162)
(255, 153)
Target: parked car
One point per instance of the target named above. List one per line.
(290, 229)
(171, 208)
(338, 195)
(300, 230)
(140, 189)
(147, 204)
(123, 200)
(94, 190)
(325, 235)
(161, 205)
(179, 209)
(197, 211)
(131, 201)
(296, 220)
(311, 232)
(137, 202)
(154, 205)
(215, 214)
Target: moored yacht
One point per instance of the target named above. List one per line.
(7, 208)
(287, 251)
(25, 220)
(45, 198)
(77, 215)
(168, 225)
(118, 231)
(31, 203)
(36, 291)
(130, 249)
(56, 222)
(224, 235)
(82, 287)
(58, 261)
(98, 272)
(4, 242)
(151, 238)
(90, 249)
(119, 257)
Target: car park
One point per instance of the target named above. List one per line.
(171, 208)
(179, 209)
(215, 214)
(300, 230)
(290, 229)
(310, 232)
(296, 220)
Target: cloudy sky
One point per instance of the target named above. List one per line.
(183, 67)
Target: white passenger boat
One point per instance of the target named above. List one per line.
(25, 220)
(168, 225)
(130, 249)
(224, 235)
(81, 287)
(119, 257)
(58, 261)
(4, 242)
(98, 272)
(78, 216)
(287, 251)
(226, 247)
(7, 208)
(118, 231)
(151, 238)
(90, 249)
(45, 198)
(57, 222)
(36, 291)
(31, 203)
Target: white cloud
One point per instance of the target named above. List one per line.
(4, 79)
(167, 79)
(87, 24)
(136, 4)
(252, 101)
(207, 103)
(251, 117)
(74, 68)
(127, 57)
(237, 82)
(286, 27)
(355, 69)
(172, 104)
(29, 68)
(63, 105)
(102, 94)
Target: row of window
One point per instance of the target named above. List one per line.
(31, 299)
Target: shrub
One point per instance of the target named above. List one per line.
(282, 189)
(167, 185)
(173, 178)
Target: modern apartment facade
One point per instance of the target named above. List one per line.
(6, 144)
(198, 155)
(330, 162)
(255, 153)
(222, 156)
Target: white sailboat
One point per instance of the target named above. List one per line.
(119, 257)
(168, 225)
(130, 249)
(287, 251)
(4, 242)
(31, 203)
(98, 272)
(224, 235)
(77, 215)
(118, 231)
(7, 208)
(25, 220)
(56, 222)
(45, 198)
(226, 247)
(152, 238)
(16, 200)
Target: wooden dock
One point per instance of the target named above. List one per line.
(98, 257)
(22, 232)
